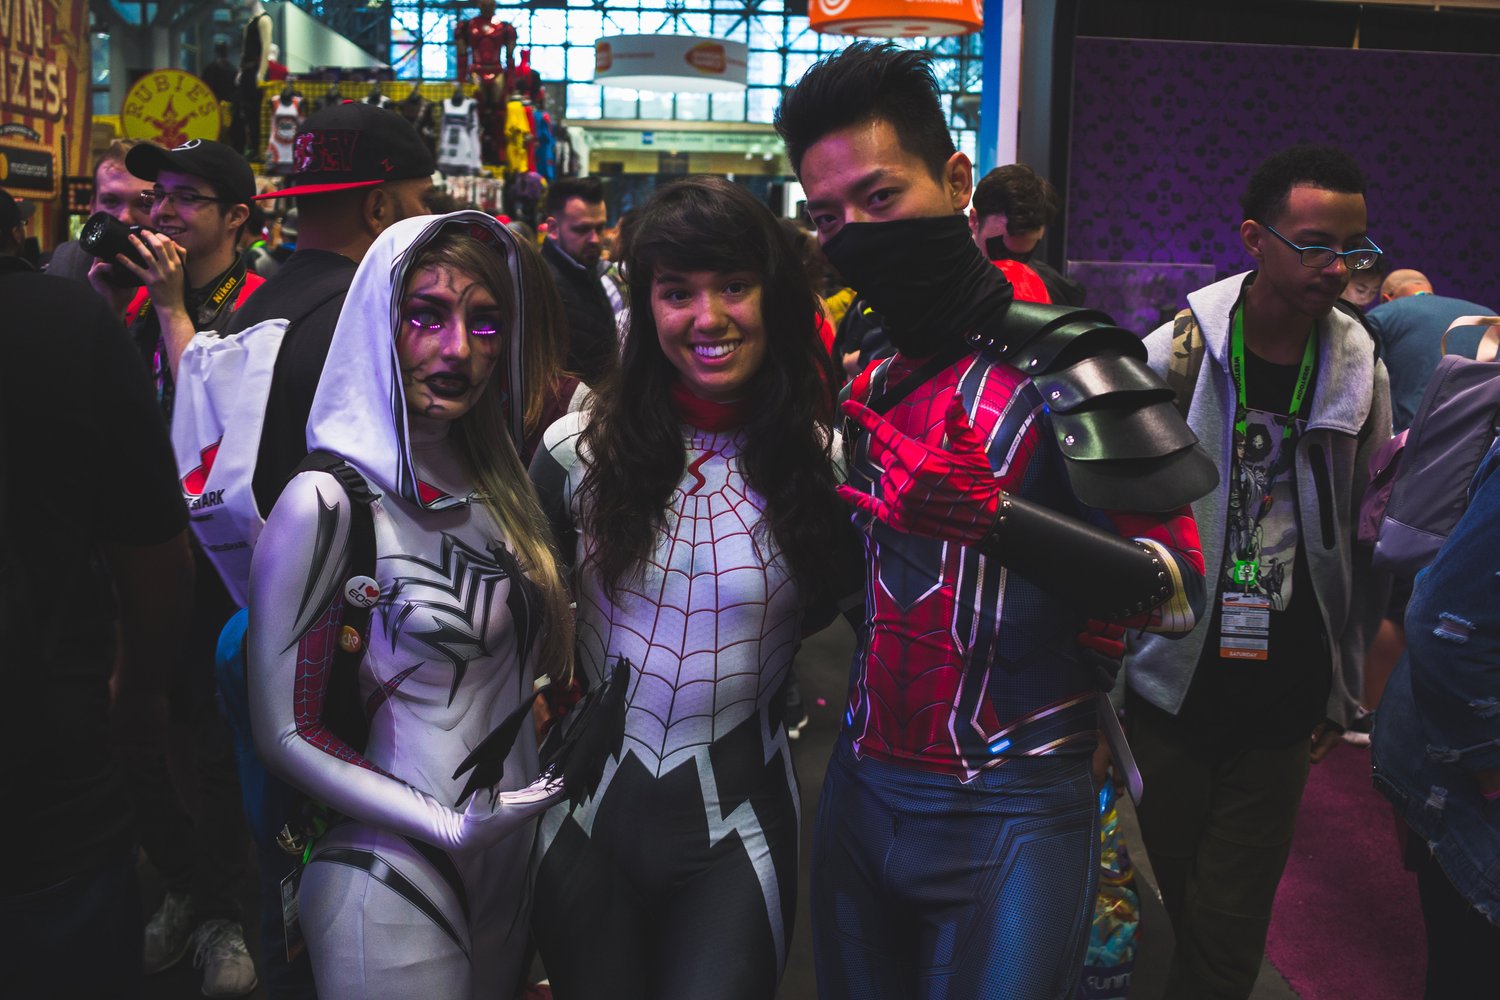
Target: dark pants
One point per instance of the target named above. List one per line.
(1461, 943)
(79, 940)
(923, 886)
(247, 110)
(1217, 823)
(202, 851)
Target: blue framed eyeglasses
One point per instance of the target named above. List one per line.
(1361, 259)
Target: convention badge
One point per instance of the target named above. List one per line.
(361, 591)
(349, 640)
(290, 920)
(1245, 626)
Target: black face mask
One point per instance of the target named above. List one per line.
(925, 277)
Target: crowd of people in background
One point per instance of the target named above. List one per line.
(667, 448)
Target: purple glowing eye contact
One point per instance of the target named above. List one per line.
(485, 328)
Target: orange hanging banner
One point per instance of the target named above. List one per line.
(896, 18)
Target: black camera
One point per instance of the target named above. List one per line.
(103, 236)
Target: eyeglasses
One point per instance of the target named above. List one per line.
(1361, 259)
(182, 199)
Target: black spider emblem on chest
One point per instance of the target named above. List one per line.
(458, 589)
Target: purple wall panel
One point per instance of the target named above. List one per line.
(1165, 135)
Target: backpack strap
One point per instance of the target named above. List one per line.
(342, 711)
(1186, 360)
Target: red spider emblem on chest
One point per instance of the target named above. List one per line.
(696, 468)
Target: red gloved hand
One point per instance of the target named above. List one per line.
(1103, 637)
(953, 495)
(1101, 648)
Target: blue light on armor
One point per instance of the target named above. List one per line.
(999, 746)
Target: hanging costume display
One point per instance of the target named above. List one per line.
(417, 110)
(517, 136)
(690, 843)
(972, 712)
(459, 151)
(252, 56)
(286, 116)
(403, 898)
(485, 49)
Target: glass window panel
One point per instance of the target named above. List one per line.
(581, 62)
(99, 61)
(798, 63)
(563, 41)
(584, 101)
(548, 27)
(733, 26)
(765, 32)
(620, 103)
(695, 24)
(968, 144)
(763, 103)
(765, 68)
(656, 104)
(728, 107)
(548, 61)
(692, 107)
(585, 27)
(618, 22)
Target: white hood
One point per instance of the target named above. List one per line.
(359, 411)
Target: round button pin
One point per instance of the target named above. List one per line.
(349, 640)
(362, 591)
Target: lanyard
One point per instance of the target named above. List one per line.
(1237, 369)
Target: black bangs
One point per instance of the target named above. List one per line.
(692, 227)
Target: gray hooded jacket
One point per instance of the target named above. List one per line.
(1350, 417)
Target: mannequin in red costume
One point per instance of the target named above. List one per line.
(486, 55)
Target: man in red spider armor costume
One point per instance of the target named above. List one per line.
(1019, 473)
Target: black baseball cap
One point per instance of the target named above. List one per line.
(354, 145)
(10, 212)
(213, 161)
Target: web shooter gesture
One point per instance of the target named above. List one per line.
(949, 494)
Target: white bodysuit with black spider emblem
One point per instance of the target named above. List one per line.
(443, 665)
(710, 627)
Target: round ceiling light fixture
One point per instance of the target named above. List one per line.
(896, 18)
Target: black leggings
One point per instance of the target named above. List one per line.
(669, 897)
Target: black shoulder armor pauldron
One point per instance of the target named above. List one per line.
(1125, 445)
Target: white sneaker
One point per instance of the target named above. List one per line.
(228, 970)
(168, 933)
(794, 730)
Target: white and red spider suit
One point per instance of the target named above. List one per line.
(677, 878)
(415, 894)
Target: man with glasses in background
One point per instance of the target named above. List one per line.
(192, 278)
(116, 191)
(1285, 389)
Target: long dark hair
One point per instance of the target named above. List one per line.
(634, 435)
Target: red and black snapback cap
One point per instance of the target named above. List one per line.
(354, 145)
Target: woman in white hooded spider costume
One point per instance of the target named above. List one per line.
(443, 344)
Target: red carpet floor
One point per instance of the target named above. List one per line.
(1347, 922)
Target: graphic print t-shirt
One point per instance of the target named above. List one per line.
(1275, 701)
